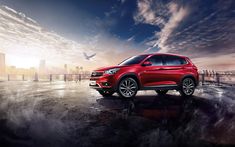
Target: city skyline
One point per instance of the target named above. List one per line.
(41, 68)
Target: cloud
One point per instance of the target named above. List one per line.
(123, 1)
(192, 28)
(208, 34)
(219, 62)
(131, 38)
(178, 13)
(151, 15)
(23, 37)
(166, 16)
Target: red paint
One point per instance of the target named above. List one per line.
(149, 75)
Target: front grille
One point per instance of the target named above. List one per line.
(96, 74)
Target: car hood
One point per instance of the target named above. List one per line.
(109, 67)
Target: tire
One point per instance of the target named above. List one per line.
(106, 93)
(127, 88)
(187, 87)
(161, 92)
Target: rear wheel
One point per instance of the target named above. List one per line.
(187, 87)
(161, 92)
(106, 93)
(127, 87)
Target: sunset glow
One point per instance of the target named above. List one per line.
(22, 61)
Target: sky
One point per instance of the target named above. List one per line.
(59, 31)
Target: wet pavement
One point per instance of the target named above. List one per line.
(72, 114)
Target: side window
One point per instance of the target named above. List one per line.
(173, 60)
(156, 60)
(183, 61)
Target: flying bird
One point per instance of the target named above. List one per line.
(88, 57)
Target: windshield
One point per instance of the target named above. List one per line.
(133, 60)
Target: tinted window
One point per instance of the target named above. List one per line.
(133, 60)
(156, 60)
(174, 60)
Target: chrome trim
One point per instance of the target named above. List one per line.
(161, 87)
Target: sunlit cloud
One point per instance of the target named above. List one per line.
(23, 37)
(191, 29)
(219, 62)
(149, 14)
(177, 15)
(166, 16)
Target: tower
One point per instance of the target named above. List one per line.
(42, 67)
(66, 68)
(2, 63)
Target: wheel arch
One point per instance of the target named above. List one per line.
(132, 75)
(188, 76)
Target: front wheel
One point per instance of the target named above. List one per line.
(187, 87)
(127, 88)
(106, 93)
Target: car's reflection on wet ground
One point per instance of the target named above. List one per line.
(188, 121)
(70, 114)
(151, 107)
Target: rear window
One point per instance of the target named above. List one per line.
(174, 60)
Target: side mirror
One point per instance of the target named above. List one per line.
(147, 63)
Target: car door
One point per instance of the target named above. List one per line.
(173, 69)
(152, 75)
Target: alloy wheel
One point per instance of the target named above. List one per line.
(188, 86)
(128, 88)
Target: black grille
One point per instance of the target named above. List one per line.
(96, 74)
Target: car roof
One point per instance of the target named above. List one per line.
(169, 54)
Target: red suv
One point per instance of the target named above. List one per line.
(159, 72)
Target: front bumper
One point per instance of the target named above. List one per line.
(102, 82)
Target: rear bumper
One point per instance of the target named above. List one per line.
(103, 82)
(197, 79)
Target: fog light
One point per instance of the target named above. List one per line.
(105, 84)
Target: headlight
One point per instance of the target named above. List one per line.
(111, 71)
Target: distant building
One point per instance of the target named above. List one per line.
(42, 67)
(2, 63)
(32, 70)
(20, 71)
(66, 69)
(77, 70)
